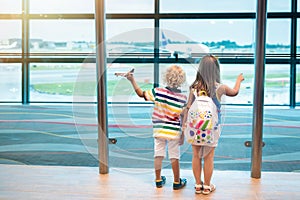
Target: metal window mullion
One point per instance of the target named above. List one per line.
(25, 52)
(156, 44)
(293, 70)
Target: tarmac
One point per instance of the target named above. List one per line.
(66, 135)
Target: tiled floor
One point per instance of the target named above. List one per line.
(63, 183)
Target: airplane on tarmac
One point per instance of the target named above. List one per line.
(183, 49)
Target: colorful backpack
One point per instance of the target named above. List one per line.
(202, 121)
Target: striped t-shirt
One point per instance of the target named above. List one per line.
(168, 105)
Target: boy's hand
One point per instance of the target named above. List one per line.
(129, 76)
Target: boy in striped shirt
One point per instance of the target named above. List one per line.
(168, 105)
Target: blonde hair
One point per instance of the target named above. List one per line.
(174, 76)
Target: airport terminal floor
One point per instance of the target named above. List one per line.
(50, 151)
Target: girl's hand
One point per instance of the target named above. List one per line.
(181, 140)
(240, 77)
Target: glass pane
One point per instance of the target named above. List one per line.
(62, 6)
(280, 135)
(279, 6)
(202, 6)
(62, 82)
(278, 43)
(202, 36)
(298, 33)
(10, 82)
(120, 90)
(62, 36)
(10, 6)
(10, 39)
(131, 6)
(229, 73)
(298, 85)
(130, 38)
(277, 84)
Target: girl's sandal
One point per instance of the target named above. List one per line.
(198, 188)
(207, 189)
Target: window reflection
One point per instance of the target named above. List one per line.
(10, 82)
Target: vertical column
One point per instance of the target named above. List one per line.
(25, 52)
(293, 70)
(101, 87)
(258, 102)
(156, 44)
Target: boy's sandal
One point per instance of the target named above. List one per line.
(180, 184)
(207, 189)
(198, 188)
(161, 182)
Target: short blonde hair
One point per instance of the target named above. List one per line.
(174, 76)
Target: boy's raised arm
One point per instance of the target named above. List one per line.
(135, 86)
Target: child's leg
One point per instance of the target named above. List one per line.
(174, 155)
(159, 154)
(157, 166)
(208, 165)
(176, 169)
(196, 164)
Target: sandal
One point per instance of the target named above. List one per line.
(207, 189)
(198, 188)
(161, 182)
(180, 184)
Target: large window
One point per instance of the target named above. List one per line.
(58, 37)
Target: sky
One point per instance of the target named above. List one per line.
(240, 31)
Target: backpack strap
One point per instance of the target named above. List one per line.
(200, 93)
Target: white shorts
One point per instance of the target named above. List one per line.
(160, 148)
